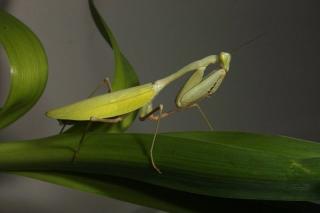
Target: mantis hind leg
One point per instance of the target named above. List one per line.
(92, 119)
(64, 123)
(77, 150)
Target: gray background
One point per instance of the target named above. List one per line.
(272, 86)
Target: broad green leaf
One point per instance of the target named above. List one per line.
(221, 164)
(28, 68)
(124, 75)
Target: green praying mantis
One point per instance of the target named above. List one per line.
(112, 107)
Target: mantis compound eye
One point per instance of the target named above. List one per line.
(225, 59)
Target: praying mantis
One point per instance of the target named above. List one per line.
(112, 107)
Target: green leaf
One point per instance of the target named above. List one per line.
(124, 75)
(28, 68)
(221, 164)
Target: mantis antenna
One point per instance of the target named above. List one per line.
(248, 42)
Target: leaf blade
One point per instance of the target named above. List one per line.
(29, 68)
(223, 164)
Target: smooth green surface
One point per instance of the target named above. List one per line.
(223, 164)
(28, 68)
(124, 75)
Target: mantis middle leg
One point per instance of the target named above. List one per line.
(105, 82)
(148, 113)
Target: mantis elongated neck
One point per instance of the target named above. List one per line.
(162, 83)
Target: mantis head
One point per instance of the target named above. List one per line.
(225, 59)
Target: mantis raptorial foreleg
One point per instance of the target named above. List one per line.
(193, 82)
(197, 88)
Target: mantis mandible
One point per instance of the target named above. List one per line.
(113, 106)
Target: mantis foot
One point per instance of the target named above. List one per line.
(75, 155)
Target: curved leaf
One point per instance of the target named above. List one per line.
(124, 75)
(223, 164)
(28, 68)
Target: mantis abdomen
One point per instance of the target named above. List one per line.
(106, 105)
